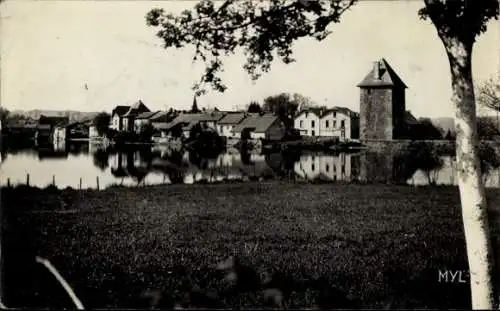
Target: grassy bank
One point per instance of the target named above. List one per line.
(377, 245)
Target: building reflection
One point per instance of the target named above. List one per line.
(180, 166)
(328, 167)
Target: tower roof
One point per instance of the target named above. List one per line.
(382, 74)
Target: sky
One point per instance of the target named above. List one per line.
(94, 55)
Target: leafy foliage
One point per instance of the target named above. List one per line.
(487, 129)
(283, 106)
(254, 107)
(146, 132)
(101, 122)
(462, 19)
(263, 29)
(205, 141)
(4, 114)
(424, 129)
(488, 94)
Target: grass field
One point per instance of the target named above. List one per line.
(377, 245)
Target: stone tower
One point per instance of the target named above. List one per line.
(382, 104)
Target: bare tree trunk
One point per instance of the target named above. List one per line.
(470, 183)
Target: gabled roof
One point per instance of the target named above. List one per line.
(120, 110)
(183, 118)
(233, 118)
(259, 124)
(161, 116)
(322, 112)
(386, 77)
(318, 111)
(147, 115)
(212, 116)
(136, 108)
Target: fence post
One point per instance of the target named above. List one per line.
(8, 182)
(27, 179)
(97, 179)
(80, 183)
(53, 180)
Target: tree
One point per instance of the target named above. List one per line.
(486, 128)
(254, 107)
(101, 122)
(302, 101)
(268, 29)
(489, 96)
(425, 130)
(281, 105)
(146, 132)
(4, 115)
(449, 136)
(458, 23)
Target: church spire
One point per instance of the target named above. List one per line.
(194, 108)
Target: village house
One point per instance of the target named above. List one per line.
(47, 125)
(160, 121)
(266, 126)
(143, 119)
(21, 128)
(307, 121)
(130, 116)
(321, 122)
(226, 125)
(212, 119)
(382, 104)
(117, 116)
(186, 121)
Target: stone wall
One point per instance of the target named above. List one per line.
(376, 114)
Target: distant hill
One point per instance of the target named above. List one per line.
(73, 115)
(448, 123)
(444, 123)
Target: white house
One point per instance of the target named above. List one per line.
(226, 125)
(307, 122)
(117, 116)
(335, 122)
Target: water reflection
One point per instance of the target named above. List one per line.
(146, 165)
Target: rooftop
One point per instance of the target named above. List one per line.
(321, 112)
(382, 74)
(147, 115)
(120, 110)
(136, 108)
(259, 124)
(233, 118)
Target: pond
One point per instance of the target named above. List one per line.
(87, 165)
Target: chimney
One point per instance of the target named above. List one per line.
(376, 70)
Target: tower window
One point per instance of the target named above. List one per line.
(326, 124)
(312, 123)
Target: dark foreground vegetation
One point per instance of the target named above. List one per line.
(324, 245)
